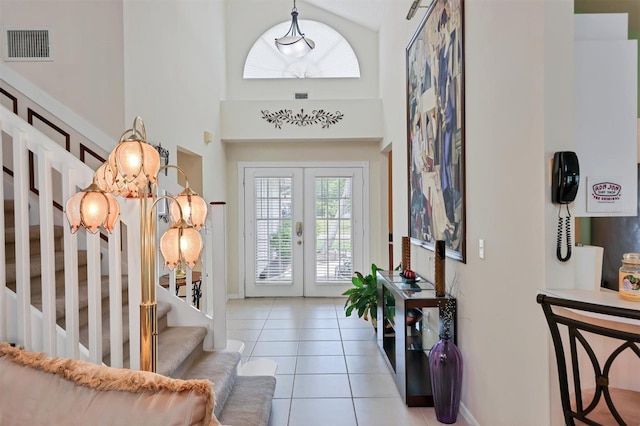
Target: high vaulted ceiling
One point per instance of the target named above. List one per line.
(364, 12)
(368, 12)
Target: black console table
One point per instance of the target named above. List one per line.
(408, 326)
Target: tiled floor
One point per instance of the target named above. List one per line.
(330, 370)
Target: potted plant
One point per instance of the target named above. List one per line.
(363, 296)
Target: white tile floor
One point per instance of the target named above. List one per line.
(330, 370)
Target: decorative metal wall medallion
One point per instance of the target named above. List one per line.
(301, 119)
(164, 156)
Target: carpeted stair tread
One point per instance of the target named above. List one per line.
(175, 344)
(106, 337)
(249, 402)
(35, 283)
(83, 297)
(35, 265)
(163, 309)
(34, 241)
(34, 233)
(221, 369)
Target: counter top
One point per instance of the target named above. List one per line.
(604, 297)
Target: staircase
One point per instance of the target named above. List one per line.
(78, 295)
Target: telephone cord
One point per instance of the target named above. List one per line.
(568, 234)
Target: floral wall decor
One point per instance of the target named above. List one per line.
(301, 118)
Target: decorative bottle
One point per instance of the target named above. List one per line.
(629, 284)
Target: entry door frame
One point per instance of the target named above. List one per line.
(242, 165)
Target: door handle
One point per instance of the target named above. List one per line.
(299, 229)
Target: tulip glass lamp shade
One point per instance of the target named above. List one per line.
(134, 163)
(106, 180)
(193, 206)
(92, 208)
(181, 245)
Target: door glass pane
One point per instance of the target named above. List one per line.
(273, 229)
(334, 235)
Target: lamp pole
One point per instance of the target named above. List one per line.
(148, 303)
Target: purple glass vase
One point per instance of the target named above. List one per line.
(445, 366)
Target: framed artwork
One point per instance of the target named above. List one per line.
(435, 129)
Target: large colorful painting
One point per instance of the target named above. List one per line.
(435, 129)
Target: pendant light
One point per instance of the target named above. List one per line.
(294, 43)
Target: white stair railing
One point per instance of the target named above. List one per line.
(213, 279)
(215, 293)
(59, 175)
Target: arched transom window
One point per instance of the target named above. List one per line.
(333, 56)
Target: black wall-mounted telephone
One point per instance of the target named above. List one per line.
(564, 188)
(566, 177)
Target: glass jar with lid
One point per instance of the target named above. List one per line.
(629, 285)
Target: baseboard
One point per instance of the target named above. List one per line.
(234, 296)
(464, 411)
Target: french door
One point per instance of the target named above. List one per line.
(303, 230)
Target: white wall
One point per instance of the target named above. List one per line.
(559, 136)
(361, 119)
(499, 320)
(513, 82)
(175, 78)
(394, 36)
(86, 73)
(558, 123)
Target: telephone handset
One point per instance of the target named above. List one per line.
(566, 177)
(564, 188)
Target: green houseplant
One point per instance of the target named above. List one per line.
(363, 296)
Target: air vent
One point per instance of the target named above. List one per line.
(28, 45)
(302, 95)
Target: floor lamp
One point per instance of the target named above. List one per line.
(132, 172)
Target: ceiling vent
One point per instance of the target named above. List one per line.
(28, 45)
(302, 95)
